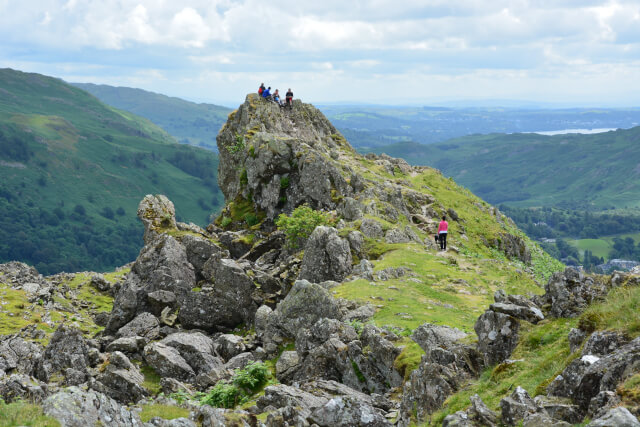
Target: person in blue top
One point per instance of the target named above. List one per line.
(267, 92)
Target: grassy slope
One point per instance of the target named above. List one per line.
(530, 169)
(544, 349)
(445, 288)
(196, 124)
(82, 152)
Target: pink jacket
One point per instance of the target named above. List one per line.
(443, 227)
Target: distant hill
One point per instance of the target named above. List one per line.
(369, 127)
(72, 171)
(571, 171)
(188, 122)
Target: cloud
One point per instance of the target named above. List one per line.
(438, 47)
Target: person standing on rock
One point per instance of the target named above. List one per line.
(261, 89)
(289, 98)
(443, 228)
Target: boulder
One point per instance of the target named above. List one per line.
(74, 407)
(565, 384)
(223, 306)
(18, 355)
(196, 349)
(287, 365)
(530, 314)
(541, 419)
(371, 228)
(497, 336)
(457, 419)
(229, 345)
(282, 396)
(327, 256)
(350, 209)
(516, 406)
(127, 345)
(121, 380)
(480, 413)
(200, 250)
(601, 403)
(618, 417)
(157, 214)
(144, 325)
(429, 336)
(347, 412)
(168, 362)
(67, 354)
(570, 292)
(21, 387)
(601, 343)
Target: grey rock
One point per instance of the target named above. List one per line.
(167, 361)
(497, 336)
(127, 345)
(570, 292)
(576, 338)
(453, 214)
(327, 256)
(287, 365)
(18, 355)
(396, 235)
(176, 422)
(200, 250)
(541, 419)
(515, 247)
(262, 319)
(601, 403)
(516, 406)
(239, 361)
(74, 407)
(428, 336)
(100, 283)
(350, 209)
(371, 228)
(618, 417)
(364, 270)
(458, 419)
(67, 353)
(530, 314)
(347, 412)
(607, 372)
(560, 409)
(480, 413)
(121, 380)
(225, 305)
(196, 349)
(356, 242)
(144, 325)
(21, 387)
(361, 314)
(229, 345)
(206, 416)
(281, 395)
(161, 299)
(601, 343)
(157, 213)
(565, 384)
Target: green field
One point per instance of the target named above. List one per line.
(602, 246)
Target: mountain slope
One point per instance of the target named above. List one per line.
(188, 122)
(72, 171)
(573, 171)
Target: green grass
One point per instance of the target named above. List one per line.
(166, 412)
(619, 311)
(602, 246)
(24, 414)
(151, 380)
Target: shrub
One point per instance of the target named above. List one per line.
(284, 182)
(252, 376)
(222, 396)
(299, 226)
(251, 219)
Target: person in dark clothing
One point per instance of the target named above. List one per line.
(267, 93)
(261, 89)
(289, 98)
(443, 229)
(276, 98)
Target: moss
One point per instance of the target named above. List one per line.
(151, 380)
(358, 373)
(166, 412)
(629, 390)
(284, 182)
(409, 359)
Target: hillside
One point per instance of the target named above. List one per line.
(72, 171)
(317, 296)
(571, 171)
(188, 122)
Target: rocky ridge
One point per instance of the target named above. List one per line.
(198, 304)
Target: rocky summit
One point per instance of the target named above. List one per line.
(319, 297)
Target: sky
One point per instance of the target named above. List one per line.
(557, 52)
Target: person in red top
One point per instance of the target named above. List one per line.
(442, 233)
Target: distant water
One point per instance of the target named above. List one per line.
(565, 131)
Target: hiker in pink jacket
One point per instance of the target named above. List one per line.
(442, 233)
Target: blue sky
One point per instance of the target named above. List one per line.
(564, 52)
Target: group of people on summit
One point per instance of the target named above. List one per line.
(275, 97)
